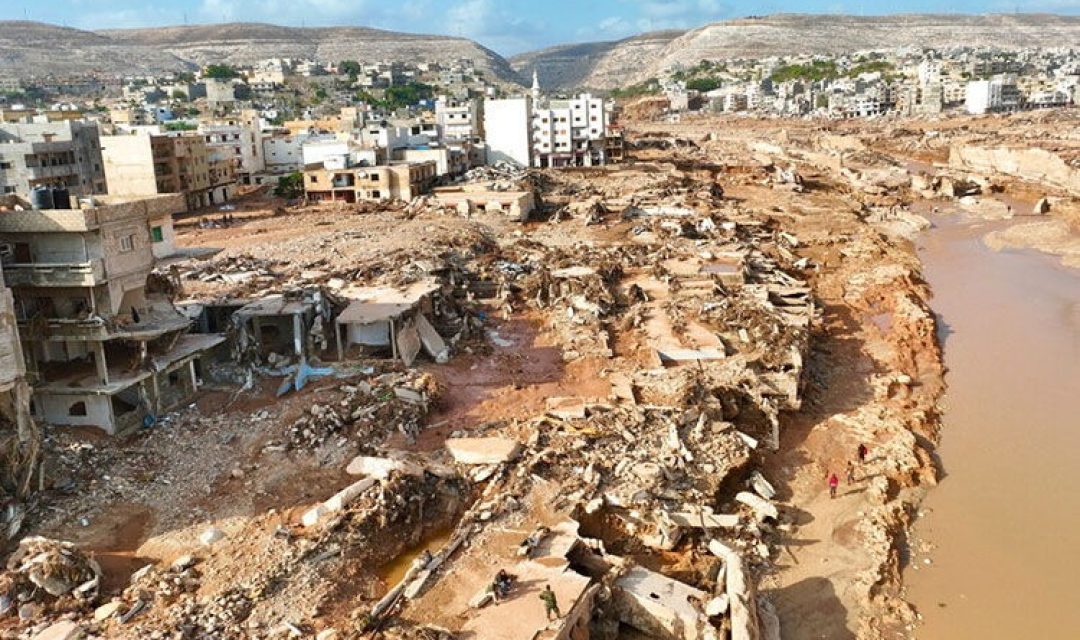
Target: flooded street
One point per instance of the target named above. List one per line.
(1005, 521)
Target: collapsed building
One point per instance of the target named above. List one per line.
(103, 344)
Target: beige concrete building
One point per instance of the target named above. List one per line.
(143, 164)
(102, 342)
(398, 181)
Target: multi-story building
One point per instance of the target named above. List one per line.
(61, 154)
(569, 133)
(507, 130)
(396, 181)
(460, 119)
(998, 94)
(145, 164)
(102, 342)
(238, 140)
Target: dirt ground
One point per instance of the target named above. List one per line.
(805, 204)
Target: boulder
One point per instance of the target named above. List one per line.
(1042, 207)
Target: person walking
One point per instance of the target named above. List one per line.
(850, 472)
(551, 605)
(834, 482)
(862, 453)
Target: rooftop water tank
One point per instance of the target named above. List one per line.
(41, 198)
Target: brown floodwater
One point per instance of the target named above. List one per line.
(1004, 524)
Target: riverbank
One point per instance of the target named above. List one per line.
(993, 555)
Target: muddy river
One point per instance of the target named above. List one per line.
(1005, 522)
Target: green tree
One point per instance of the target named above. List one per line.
(220, 72)
(179, 95)
(351, 68)
(290, 186)
(704, 85)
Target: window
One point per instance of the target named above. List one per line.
(156, 234)
(376, 194)
(127, 243)
(5, 165)
(77, 409)
(314, 179)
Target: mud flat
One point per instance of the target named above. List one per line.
(994, 555)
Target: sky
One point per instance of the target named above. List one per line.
(506, 26)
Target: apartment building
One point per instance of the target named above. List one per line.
(569, 133)
(60, 154)
(460, 119)
(102, 343)
(395, 181)
(143, 164)
(998, 94)
(239, 141)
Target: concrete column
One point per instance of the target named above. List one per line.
(298, 335)
(99, 362)
(340, 342)
(194, 378)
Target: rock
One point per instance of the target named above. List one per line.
(328, 634)
(106, 611)
(182, 563)
(66, 630)
(29, 611)
(718, 606)
(211, 535)
(380, 468)
(762, 508)
(483, 450)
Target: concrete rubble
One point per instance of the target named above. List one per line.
(630, 395)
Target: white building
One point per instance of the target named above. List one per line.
(985, 96)
(460, 119)
(568, 133)
(240, 140)
(506, 127)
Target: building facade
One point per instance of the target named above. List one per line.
(145, 164)
(57, 154)
(398, 181)
(507, 130)
(102, 342)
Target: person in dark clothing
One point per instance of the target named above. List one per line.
(850, 472)
(551, 605)
(862, 453)
(135, 315)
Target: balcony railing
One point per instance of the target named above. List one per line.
(46, 274)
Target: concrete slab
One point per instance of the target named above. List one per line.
(483, 450)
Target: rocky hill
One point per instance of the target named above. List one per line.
(611, 64)
(28, 48)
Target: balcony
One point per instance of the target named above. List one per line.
(42, 274)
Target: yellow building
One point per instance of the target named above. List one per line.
(397, 181)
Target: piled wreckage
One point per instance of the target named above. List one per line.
(699, 320)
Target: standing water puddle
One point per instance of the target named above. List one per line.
(392, 572)
(1005, 521)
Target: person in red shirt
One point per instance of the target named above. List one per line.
(834, 482)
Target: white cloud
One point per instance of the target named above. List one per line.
(490, 23)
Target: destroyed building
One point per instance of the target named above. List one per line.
(17, 430)
(102, 342)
